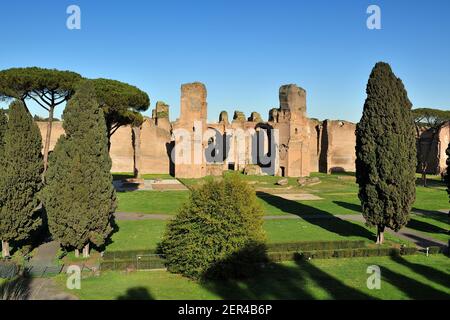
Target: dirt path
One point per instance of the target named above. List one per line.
(45, 254)
(47, 289)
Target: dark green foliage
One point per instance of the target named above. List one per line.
(217, 233)
(3, 125)
(386, 151)
(447, 175)
(21, 168)
(79, 196)
(315, 245)
(430, 118)
(120, 102)
(31, 83)
(47, 87)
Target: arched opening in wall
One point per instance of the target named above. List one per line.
(263, 146)
(217, 146)
(283, 171)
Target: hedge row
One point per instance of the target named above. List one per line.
(435, 250)
(315, 245)
(339, 253)
(145, 263)
(127, 255)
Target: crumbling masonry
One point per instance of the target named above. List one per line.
(288, 144)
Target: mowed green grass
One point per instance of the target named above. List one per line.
(158, 202)
(408, 277)
(146, 234)
(338, 193)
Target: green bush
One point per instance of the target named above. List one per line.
(315, 245)
(217, 233)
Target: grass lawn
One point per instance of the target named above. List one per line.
(409, 277)
(162, 202)
(137, 235)
(145, 234)
(434, 225)
(150, 176)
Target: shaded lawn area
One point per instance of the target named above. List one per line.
(162, 202)
(434, 225)
(409, 277)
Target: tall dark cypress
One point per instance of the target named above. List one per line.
(21, 168)
(447, 176)
(79, 196)
(386, 152)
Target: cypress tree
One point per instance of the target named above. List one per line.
(79, 196)
(386, 152)
(447, 176)
(20, 177)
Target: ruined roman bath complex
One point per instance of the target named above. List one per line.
(288, 144)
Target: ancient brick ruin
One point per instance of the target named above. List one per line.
(288, 144)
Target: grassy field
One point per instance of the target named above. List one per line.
(409, 277)
(145, 234)
(338, 193)
(159, 202)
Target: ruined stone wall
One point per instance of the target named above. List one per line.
(189, 163)
(431, 148)
(121, 152)
(155, 148)
(444, 140)
(315, 129)
(57, 131)
(338, 142)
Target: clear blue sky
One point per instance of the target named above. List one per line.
(242, 50)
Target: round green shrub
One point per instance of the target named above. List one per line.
(218, 233)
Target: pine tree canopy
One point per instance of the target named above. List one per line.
(21, 168)
(386, 151)
(79, 196)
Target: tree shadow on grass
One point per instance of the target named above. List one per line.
(430, 273)
(435, 215)
(412, 288)
(318, 217)
(350, 206)
(425, 227)
(335, 288)
(137, 293)
(280, 281)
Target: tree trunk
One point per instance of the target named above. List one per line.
(137, 151)
(380, 234)
(86, 251)
(424, 173)
(77, 253)
(47, 138)
(5, 249)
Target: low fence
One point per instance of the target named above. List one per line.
(8, 270)
(134, 260)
